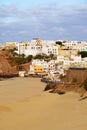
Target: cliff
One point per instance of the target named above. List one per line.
(6, 66)
(73, 81)
(76, 75)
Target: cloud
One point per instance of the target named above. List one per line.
(50, 21)
(8, 11)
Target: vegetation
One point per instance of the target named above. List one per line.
(45, 57)
(21, 58)
(59, 43)
(29, 58)
(18, 60)
(51, 56)
(39, 56)
(83, 54)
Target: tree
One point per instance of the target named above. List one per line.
(22, 55)
(39, 56)
(59, 43)
(51, 56)
(19, 60)
(29, 58)
(83, 54)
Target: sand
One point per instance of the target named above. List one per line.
(24, 106)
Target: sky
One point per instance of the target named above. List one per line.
(23, 20)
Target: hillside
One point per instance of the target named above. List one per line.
(6, 66)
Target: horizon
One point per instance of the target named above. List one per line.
(46, 19)
(43, 40)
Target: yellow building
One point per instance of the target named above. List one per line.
(25, 42)
(65, 51)
(38, 69)
(10, 44)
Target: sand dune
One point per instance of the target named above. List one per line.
(37, 110)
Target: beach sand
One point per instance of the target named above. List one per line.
(24, 106)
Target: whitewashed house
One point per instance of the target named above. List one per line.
(50, 50)
(29, 48)
(37, 46)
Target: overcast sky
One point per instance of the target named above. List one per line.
(23, 20)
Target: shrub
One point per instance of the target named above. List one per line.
(74, 80)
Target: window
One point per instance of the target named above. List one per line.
(26, 47)
(38, 48)
(32, 47)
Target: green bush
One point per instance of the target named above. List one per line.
(83, 54)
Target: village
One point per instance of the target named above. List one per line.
(63, 55)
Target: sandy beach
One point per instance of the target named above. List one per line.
(24, 106)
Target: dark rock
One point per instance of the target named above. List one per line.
(60, 92)
(50, 86)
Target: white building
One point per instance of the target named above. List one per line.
(39, 62)
(37, 47)
(73, 60)
(76, 58)
(63, 59)
(50, 50)
(70, 43)
(29, 48)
